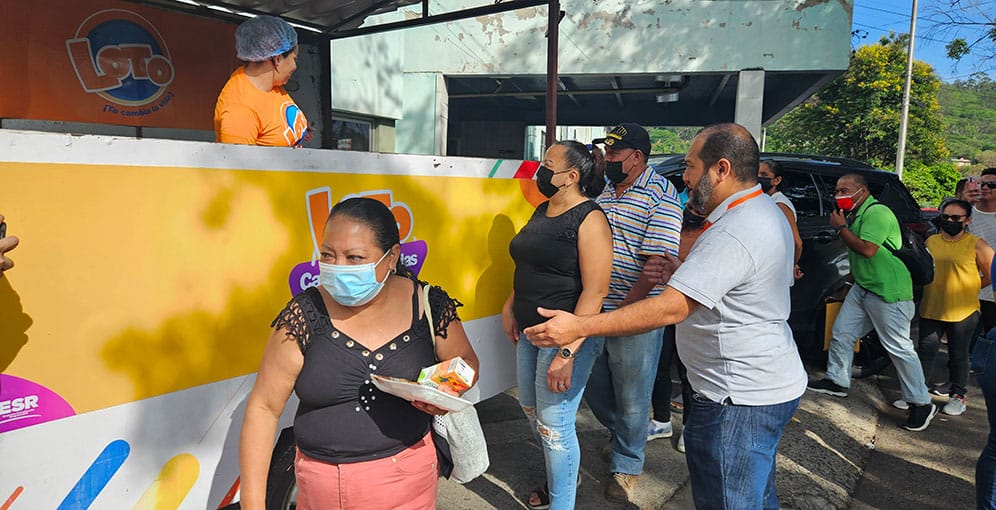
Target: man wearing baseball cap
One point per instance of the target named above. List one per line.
(645, 216)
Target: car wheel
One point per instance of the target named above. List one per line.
(281, 486)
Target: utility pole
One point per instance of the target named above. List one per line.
(906, 96)
(552, 40)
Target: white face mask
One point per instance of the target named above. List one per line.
(352, 285)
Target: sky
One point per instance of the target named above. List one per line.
(876, 18)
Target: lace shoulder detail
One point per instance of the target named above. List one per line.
(444, 309)
(303, 317)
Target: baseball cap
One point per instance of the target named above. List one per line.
(627, 136)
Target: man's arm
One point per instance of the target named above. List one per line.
(860, 246)
(670, 307)
(649, 278)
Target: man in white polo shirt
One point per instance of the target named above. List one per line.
(730, 299)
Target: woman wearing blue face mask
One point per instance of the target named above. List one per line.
(563, 260)
(357, 446)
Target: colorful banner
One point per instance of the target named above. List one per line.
(141, 281)
(112, 62)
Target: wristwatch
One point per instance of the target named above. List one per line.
(567, 353)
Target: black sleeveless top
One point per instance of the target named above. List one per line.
(342, 417)
(547, 271)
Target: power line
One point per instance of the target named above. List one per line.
(905, 15)
(882, 29)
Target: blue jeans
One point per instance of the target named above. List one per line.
(619, 391)
(862, 311)
(555, 413)
(985, 469)
(730, 451)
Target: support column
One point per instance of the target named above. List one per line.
(750, 101)
(422, 126)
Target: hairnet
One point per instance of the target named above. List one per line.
(263, 37)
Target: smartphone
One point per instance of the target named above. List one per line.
(973, 183)
(3, 229)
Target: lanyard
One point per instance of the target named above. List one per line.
(735, 203)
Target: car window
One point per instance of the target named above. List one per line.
(888, 191)
(802, 191)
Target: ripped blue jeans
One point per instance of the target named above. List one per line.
(552, 416)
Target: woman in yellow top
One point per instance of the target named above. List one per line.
(254, 108)
(950, 303)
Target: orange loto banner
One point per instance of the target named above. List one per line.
(112, 62)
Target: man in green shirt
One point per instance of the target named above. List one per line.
(882, 298)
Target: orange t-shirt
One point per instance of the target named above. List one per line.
(246, 115)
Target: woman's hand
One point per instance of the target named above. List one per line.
(429, 408)
(558, 376)
(509, 325)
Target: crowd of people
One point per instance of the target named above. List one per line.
(615, 279)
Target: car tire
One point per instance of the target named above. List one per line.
(281, 486)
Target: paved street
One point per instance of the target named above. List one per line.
(836, 454)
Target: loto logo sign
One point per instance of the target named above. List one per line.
(121, 57)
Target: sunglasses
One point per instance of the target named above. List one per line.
(952, 217)
(988, 184)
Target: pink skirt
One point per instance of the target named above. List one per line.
(405, 481)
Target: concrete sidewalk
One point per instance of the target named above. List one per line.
(836, 453)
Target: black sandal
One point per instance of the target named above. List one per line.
(543, 495)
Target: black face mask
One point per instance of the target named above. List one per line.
(543, 177)
(952, 228)
(765, 183)
(614, 171)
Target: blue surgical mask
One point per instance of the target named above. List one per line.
(351, 285)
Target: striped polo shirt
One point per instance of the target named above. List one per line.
(645, 221)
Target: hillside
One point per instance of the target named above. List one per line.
(969, 110)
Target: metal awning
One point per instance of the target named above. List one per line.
(333, 19)
(673, 99)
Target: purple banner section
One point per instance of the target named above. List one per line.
(413, 255)
(306, 274)
(303, 275)
(24, 403)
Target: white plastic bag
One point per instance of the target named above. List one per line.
(467, 447)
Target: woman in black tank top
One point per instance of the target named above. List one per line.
(563, 260)
(357, 447)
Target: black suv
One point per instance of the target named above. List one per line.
(810, 183)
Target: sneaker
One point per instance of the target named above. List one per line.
(920, 417)
(620, 487)
(901, 404)
(955, 406)
(827, 387)
(943, 389)
(681, 442)
(658, 430)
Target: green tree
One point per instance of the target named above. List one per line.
(857, 115)
(670, 140)
(969, 26)
(930, 184)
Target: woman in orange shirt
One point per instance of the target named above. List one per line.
(253, 107)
